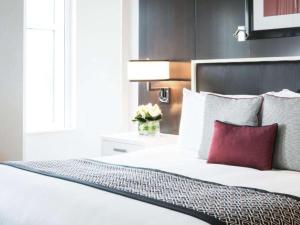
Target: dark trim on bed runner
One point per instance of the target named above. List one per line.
(200, 215)
(162, 204)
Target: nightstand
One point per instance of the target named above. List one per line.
(129, 142)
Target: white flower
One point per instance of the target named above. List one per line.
(144, 111)
(155, 111)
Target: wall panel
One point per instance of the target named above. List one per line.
(212, 37)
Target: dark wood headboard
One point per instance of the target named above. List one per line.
(246, 76)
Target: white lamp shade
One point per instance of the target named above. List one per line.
(158, 70)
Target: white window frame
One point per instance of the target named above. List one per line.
(65, 86)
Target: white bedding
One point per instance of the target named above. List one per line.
(31, 199)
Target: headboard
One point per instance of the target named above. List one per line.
(246, 75)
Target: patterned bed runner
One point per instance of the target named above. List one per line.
(210, 202)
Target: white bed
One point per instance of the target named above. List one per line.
(32, 199)
(28, 198)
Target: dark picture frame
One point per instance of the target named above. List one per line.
(263, 34)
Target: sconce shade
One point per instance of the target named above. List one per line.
(159, 70)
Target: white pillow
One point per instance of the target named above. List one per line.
(192, 116)
(284, 93)
(191, 120)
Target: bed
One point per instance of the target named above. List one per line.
(30, 198)
(51, 201)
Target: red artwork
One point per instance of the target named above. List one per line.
(281, 7)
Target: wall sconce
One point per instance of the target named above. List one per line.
(155, 70)
(240, 34)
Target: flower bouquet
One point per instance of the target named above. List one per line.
(148, 118)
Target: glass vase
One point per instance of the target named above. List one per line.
(149, 128)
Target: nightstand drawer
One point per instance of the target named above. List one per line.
(114, 148)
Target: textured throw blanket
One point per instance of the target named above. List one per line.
(210, 202)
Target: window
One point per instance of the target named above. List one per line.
(48, 65)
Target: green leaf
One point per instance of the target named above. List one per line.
(139, 119)
(150, 118)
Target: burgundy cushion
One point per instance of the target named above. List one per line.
(243, 145)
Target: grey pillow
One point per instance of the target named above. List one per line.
(285, 112)
(241, 111)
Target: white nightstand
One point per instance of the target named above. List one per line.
(129, 142)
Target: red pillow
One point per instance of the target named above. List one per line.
(243, 145)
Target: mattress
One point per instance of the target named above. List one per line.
(32, 199)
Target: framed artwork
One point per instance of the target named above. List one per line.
(272, 18)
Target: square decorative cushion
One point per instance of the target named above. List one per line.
(244, 146)
(243, 111)
(286, 112)
(192, 116)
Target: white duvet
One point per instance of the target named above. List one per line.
(31, 199)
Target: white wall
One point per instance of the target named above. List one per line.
(130, 51)
(103, 102)
(11, 79)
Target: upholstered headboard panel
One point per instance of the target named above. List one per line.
(246, 76)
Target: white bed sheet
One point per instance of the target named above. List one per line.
(31, 199)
